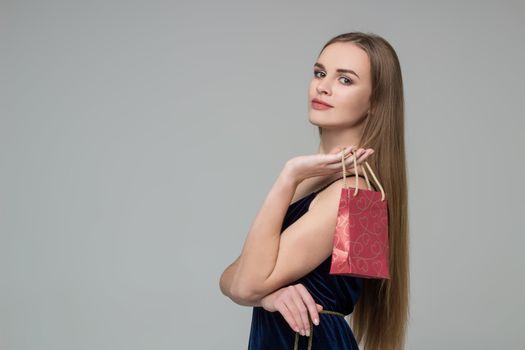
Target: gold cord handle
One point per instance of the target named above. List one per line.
(311, 337)
(357, 174)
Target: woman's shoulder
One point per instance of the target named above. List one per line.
(332, 191)
(307, 187)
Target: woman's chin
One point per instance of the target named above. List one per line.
(318, 120)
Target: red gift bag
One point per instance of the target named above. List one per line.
(361, 235)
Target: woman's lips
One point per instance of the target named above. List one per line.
(319, 106)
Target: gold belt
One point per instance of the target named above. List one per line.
(310, 337)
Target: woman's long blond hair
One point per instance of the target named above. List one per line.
(380, 317)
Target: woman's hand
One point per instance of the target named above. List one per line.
(294, 302)
(303, 167)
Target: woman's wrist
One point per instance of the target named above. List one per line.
(289, 175)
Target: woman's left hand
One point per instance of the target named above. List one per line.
(303, 167)
(296, 305)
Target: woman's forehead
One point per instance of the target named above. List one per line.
(345, 56)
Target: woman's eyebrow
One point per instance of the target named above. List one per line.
(338, 70)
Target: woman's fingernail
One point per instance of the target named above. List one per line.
(316, 321)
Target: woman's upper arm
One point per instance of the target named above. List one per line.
(307, 242)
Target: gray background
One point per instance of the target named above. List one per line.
(138, 140)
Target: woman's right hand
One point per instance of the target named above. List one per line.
(294, 302)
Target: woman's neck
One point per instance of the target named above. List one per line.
(332, 138)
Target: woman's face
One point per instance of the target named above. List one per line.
(347, 93)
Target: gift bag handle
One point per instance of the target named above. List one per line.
(357, 174)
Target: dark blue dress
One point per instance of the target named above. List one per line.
(269, 330)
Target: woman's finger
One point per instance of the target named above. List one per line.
(287, 314)
(295, 314)
(331, 158)
(302, 312)
(309, 302)
(361, 155)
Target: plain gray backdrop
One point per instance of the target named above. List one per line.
(139, 138)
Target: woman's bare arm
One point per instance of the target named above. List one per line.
(260, 250)
(289, 255)
(226, 282)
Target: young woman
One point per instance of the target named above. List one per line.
(356, 101)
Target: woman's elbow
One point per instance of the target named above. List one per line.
(244, 294)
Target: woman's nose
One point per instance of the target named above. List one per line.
(323, 88)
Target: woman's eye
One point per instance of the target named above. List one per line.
(349, 81)
(346, 80)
